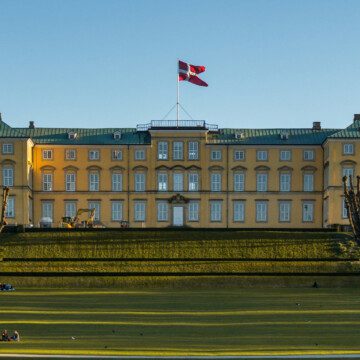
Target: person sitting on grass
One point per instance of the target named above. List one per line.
(5, 336)
(16, 336)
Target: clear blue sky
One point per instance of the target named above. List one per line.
(113, 63)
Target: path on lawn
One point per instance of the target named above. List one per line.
(135, 357)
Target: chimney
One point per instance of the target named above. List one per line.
(356, 117)
(31, 125)
(316, 125)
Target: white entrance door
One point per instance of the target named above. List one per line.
(178, 215)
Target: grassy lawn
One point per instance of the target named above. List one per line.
(182, 322)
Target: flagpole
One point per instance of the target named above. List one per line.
(178, 95)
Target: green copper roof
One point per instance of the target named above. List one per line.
(352, 131)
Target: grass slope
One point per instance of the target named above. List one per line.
(154, 322)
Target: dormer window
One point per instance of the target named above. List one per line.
(239, 135)
(72, 135)
(117, 135)
(284, 135)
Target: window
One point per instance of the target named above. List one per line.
(193, 211)
(70, 208)
(47, 181)
(215, 210)
(95, 205)
(116, 181)
(47, 210)
(308, 212)
(239, 211)
(261, 211)
(47, 154)
(70, 154)
(7, 149)
(239, 155)
(308, 182)
(239, 181)
(178, 179)
(8, 175)
(139, 210)
(178, 150)
(70, 181)
(162, 181)
(284, 211)
(10, 209)
(194, 182)
(348, 149)
(139, 182)
(162, 211)
(285, 155)
(215, 155)
(309, 155)
(348, 171)
(94, 155)
(261, 182)
(139, 154)
(94, 181)
(261, 155)
(116, 154)
(193, 150)
(344, 212)
(215, 182)
(72, 135)
(285, 182)
(116, 210)
(162, 150)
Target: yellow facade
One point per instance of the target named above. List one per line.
(186, 176)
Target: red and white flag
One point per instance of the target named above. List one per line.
(188, 72)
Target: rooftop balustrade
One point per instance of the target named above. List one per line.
(176, 124)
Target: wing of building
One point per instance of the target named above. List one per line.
(185, 173)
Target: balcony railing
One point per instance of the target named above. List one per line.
(176, 124)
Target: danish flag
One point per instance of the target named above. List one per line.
(188, 72)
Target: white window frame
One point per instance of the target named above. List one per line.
(163, 150)
(47, 154)
(8, 175)
(140, 181)
(215, 155)
(116, 181)
(162, 211)
(140, 211)
(239, 211)
(178, 185)
(116, 155)
(215, 211)
(94, 155)
(344, 213)
(239, 181)
(94, 181)
(97, 206)
(70, 154)
(163, 181)
(262, 155)
(262, 182)
(178, 150)
(239, 155)
(308, 184)
(70, 208)
(193, 211)
(10, 209)
(308, 211)
(7, 148)
(139, 154)
(193, 182)
(285, 182)
(347, 171)
(117, 210)
(193, 150)
(285, 155)
(284, 211)
(47, 181)
(309, 155)
(216, 181)
(348, 149)
(261, 211)
(47, 210)
(70, 181)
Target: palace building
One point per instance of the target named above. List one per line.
(180, 173)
